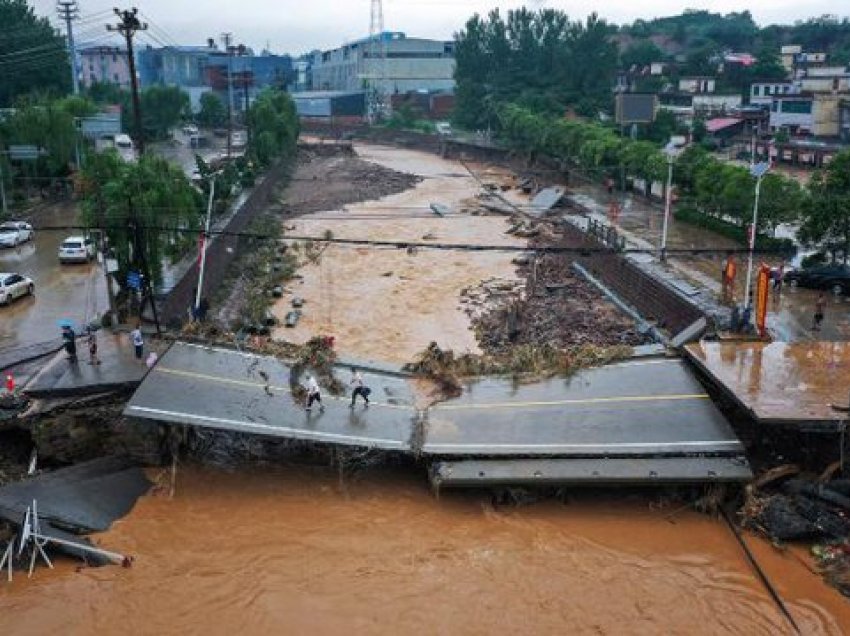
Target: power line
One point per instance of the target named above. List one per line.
(404, 244)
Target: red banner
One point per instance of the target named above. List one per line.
(762, 291)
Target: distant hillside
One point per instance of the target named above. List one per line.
(697, 31)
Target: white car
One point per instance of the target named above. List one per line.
(190, 129)
(13, 233)
(76, 249)
(15, 286)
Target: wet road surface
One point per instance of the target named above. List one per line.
(789, 313)
(781, 382)
(72, 292)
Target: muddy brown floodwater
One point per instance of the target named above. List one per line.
(290, 550)
(386, 304)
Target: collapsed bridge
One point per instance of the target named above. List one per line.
(642, 421)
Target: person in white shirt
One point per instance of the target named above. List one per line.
(314, 394)
(138, 340)
(359, 388)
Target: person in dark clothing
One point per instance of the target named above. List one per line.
(820, 306)
(69, 339)
(359, 388)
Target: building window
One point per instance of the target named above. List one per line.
(774, 106)
(797, 107)
(785, 89)
(756, 91)
(767, 90)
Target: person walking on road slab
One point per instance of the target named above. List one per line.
(820, 306)
(359, 388)
(314, 394)
(138, 341)
(92, 342)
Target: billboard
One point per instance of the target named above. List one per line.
(635, 108)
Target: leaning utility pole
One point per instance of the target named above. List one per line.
(67, 10)
(128, 26)
(229, 50)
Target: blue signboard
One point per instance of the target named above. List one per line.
(134, 280)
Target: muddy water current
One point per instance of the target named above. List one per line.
(293, 550)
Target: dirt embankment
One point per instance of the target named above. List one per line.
(330, 176)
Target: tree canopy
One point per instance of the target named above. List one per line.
(32, 54)
(153, 195)
(538, 59)
(213, 112)
(827, 215)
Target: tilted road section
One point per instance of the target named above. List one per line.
(645, 420)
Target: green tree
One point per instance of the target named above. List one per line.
(826, 217)
(273, 122)
(32, 54)
(641, 54)
(163, 107)
(213, 112)
(149, 205)
(48, 124)
(535, 59)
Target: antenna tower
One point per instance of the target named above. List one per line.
(376, 65)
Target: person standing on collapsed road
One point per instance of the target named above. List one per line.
(359, 388)
(138, 341)
(314, 394)
(820, 306)
(92, 342)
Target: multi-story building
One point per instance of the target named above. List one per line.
(697, 84)
(412, 64)
(763, 93)
(199, 69)
(105, 65)
(815, 114)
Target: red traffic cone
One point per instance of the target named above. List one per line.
(10, 383)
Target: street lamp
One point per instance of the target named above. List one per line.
(670, 151)
(758, 170)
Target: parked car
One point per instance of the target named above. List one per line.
(13, 233)
(190, 129)
(15, 286)
(76, 249)
(835, 278)
(443, 128)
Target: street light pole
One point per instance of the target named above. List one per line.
(670, 151)
(198, 293)
(758, 170)
(3, 191)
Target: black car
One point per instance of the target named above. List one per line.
(835, 278)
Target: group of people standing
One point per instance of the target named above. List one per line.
(69, 343)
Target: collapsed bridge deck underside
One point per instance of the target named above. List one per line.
(636, 410)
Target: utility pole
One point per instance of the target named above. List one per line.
(68, 11)
(128, 26)
(226, 37)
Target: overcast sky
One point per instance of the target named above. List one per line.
(297, 26)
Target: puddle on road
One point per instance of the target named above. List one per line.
(286, 550)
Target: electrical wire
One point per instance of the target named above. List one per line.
(432, 245)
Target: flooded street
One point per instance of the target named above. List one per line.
(74, 292)
(384, 303)
(287, 550)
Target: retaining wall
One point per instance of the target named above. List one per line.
(222, 250)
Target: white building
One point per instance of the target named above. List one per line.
(697, 84)
(762, 93)
(412, 64)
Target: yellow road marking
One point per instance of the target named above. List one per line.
(600, 400)
(261, 385)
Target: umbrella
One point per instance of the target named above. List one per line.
(65, 322)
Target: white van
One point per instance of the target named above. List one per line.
(123, 142)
